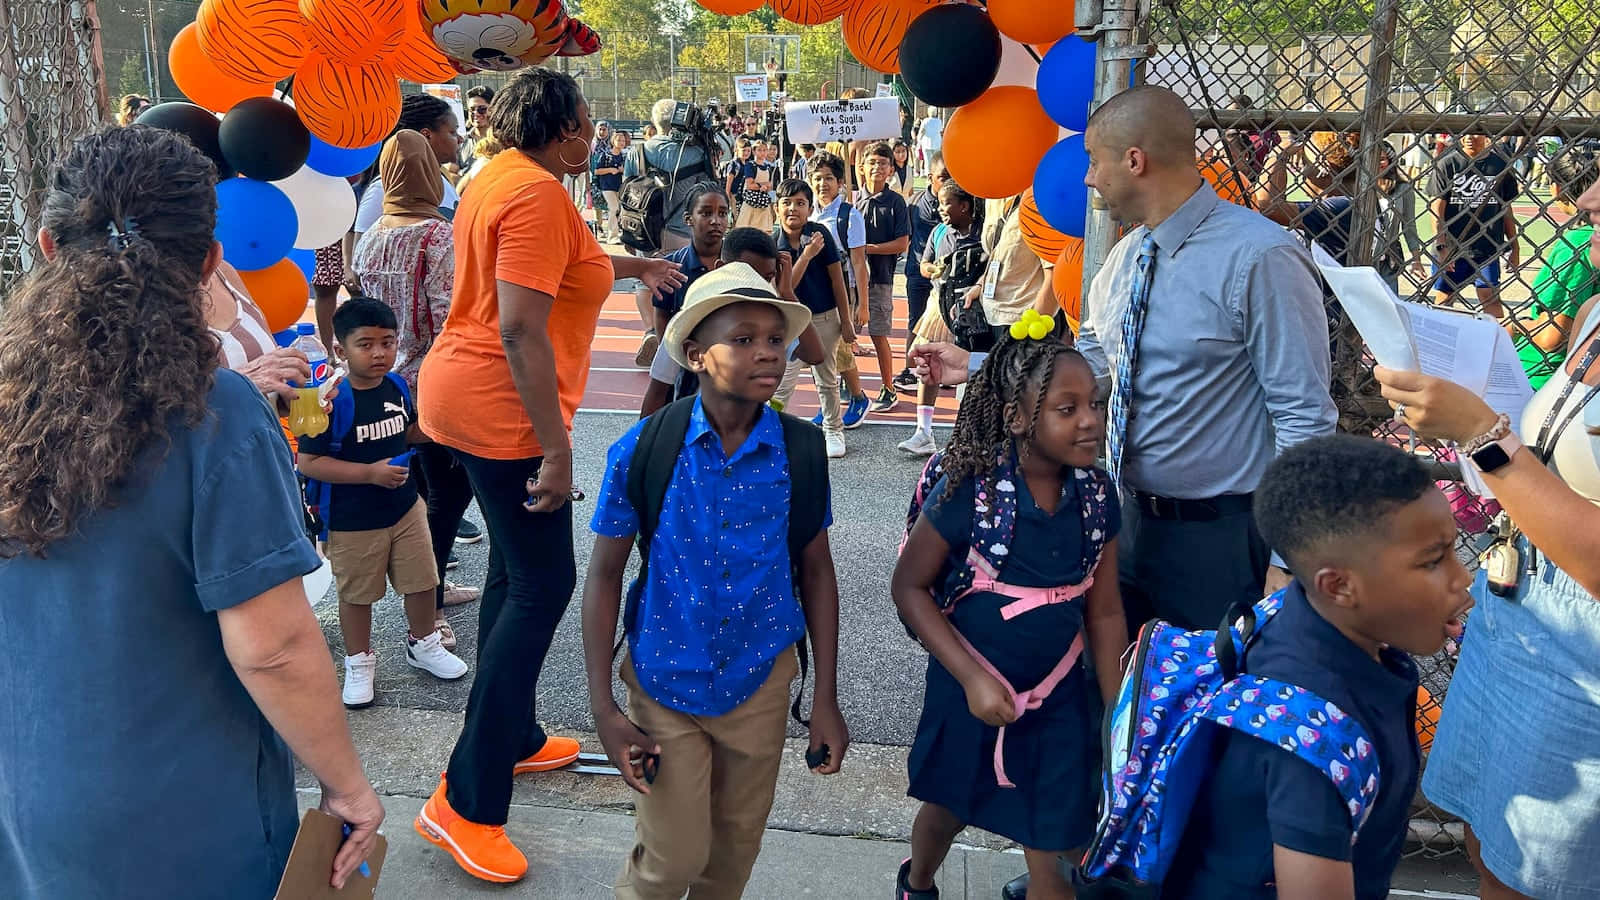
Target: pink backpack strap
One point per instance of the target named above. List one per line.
(1031, 699)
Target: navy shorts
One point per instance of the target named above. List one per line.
(1465, 271)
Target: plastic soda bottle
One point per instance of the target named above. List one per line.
(306, 417)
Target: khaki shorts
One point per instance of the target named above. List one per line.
(880, 310)
(402, 553)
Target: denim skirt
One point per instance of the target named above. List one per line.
(1517, 755)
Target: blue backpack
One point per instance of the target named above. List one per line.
(319, 494)
(1162, 737)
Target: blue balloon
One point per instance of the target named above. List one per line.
(1066, 83)
(1058, 187)
(256, 223)
(306, 260)
(331, 160)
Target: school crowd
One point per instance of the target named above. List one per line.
(1173, 462)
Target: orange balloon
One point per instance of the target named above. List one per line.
(1427, 723)
(417, 58)
(873, 30)
(1222, 180)
(983, 162)
(733, 7)
(1045, 242)
(347, 106)
(802, 12)
(1067, 280)
(253, 40)
(354, 31)
(200, 80)
(1032, 21)
(280, 291)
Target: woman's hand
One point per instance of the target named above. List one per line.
(972, 295)
(661, 276)
(1434, 407)
(552, 487)
(988, 700)
(363, 812)
(272, 372)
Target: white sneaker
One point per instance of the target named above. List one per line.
(359, 672)
(919, 444)
(430, 656)
(835, 443)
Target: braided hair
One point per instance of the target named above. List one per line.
(1013, 370)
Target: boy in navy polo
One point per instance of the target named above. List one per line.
(711, 650)
(708, 214)
(1371, 542)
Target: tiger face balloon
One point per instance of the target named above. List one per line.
(504, 35)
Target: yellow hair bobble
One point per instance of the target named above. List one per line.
(1032, 325)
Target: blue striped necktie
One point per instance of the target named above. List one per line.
(1128, 357)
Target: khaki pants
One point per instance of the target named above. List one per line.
(700, 827)
(826, 373)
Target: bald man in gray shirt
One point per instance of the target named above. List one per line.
(1228, 366)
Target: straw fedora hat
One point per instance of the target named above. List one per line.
(726, 285)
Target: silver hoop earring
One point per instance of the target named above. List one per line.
(567, 162)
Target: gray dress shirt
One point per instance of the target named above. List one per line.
(1233, 364)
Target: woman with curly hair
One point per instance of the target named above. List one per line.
(162, 658)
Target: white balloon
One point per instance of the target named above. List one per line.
(325, 204)
(1017, 66)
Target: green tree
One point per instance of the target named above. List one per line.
(717, 48)
(131, 77)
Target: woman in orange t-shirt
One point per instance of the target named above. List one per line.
(499, 389)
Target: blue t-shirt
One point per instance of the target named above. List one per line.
(815, 288)
(1329, 221)
(1259, 795)
(720, 603)
(133, 764)
(605, 159)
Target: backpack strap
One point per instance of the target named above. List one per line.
(1315, 730)
(650, 470)
(809, 490)
(341, 416)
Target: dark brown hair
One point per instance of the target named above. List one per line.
(104, 348)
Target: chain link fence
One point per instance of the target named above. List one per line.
(51, 92)
(1441, 142)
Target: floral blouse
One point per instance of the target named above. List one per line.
(411, 268)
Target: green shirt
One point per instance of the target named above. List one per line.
(1567, 280)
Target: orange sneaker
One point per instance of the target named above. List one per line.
(556, 752)
(483, 850)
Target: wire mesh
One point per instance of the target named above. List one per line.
(1439, 141)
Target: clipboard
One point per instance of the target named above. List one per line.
(311, 862)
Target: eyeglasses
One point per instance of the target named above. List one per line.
(480, 110)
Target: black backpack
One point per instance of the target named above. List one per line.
(650, 471)
(965, 268)
(644, 201)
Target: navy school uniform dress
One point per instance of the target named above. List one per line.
(1052, 754)
(1258, 795)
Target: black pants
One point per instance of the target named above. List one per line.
(918, 289)
(1188, 572)
(532, 573)
(444, 487)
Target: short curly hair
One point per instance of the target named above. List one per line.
(539, 106)
(1330, 490)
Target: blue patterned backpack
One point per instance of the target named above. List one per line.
(1162, 736)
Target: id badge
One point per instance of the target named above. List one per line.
(991, 280)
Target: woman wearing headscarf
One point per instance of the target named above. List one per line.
(407, 260)
(161, 660)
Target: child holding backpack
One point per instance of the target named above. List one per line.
(377, 525)
(1289, 744)
(728, 501)
(1008, 573)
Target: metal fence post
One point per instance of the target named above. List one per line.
(1115, 52)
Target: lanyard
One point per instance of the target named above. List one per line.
(1546, 445)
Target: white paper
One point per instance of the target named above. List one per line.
(750, 88)
(821, 121)
(1375, 311)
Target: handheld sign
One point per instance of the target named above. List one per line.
(750, 88)
(821, 121)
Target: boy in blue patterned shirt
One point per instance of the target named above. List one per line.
(713, 622)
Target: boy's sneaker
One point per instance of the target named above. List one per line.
(902, 892)
(885, 401)
(856, 413)
(452, 561)
(556, 752)
(483, 851)
(906, 381)
(834, 441)
(360, 672)
(919, 444)
(429, 655)
(647, 350)
(468, 533)
(817, 420)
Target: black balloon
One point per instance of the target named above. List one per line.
(194, 123)
(950, 55)
(264, 139)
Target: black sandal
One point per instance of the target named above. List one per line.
(902, 892)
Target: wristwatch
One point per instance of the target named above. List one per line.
(1494, 448)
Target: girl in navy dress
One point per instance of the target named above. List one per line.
(1007, 576)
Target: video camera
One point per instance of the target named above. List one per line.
(691, 123)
